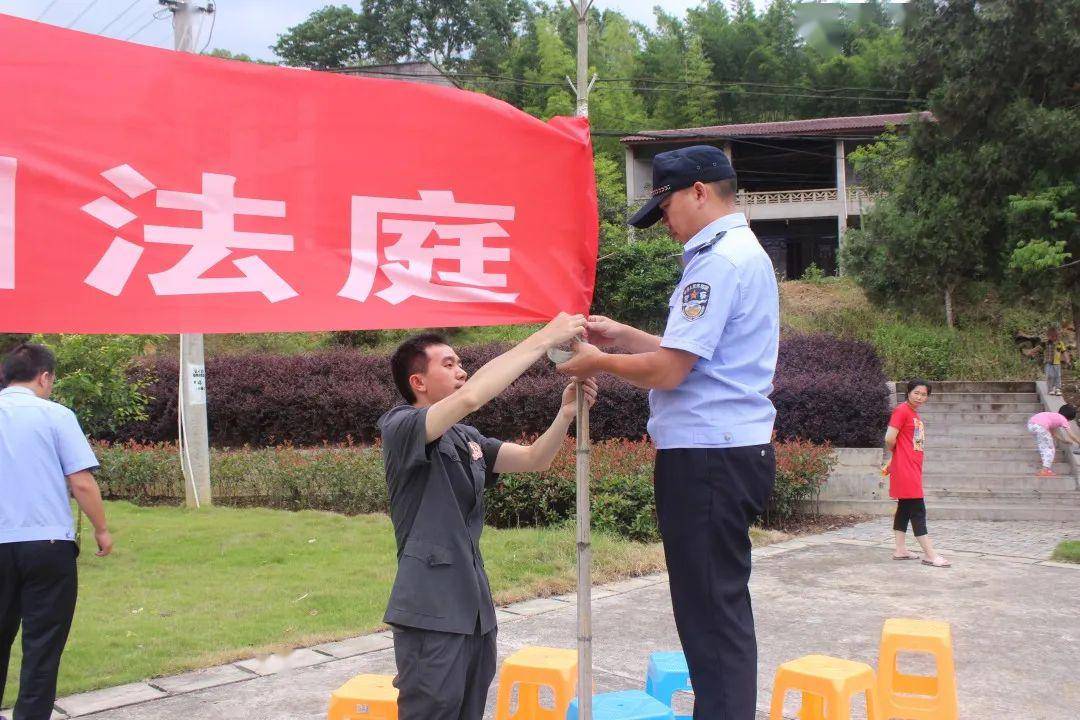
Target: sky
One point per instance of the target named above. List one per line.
(241, 26)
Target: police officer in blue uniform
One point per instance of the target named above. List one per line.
(710, 376)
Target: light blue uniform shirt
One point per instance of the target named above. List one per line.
(726, 310)
(41, 443)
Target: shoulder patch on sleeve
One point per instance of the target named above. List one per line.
(695, 300)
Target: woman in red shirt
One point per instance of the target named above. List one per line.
(904, 439)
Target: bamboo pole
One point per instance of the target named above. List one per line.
(584, 512)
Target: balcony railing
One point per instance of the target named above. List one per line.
(782, 197)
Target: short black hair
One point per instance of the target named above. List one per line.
(726, 189)
(410, 358)
(1068, 411)
(25, 362)
(916, 382)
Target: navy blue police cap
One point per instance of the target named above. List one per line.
(678, 169)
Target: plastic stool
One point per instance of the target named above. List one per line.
(667, 675)
(827, 685)
(532, 668)
(917, 697)
(624, 705)
(365, 697)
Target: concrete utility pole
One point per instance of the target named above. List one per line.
(842, 202)
(584, 511)
(194, 437)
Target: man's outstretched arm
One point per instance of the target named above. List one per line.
(538, 456)
(496, 375)
(605, 333)
(662, 369)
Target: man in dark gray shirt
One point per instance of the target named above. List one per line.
(436, 470)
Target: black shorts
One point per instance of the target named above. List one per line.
(913, 510)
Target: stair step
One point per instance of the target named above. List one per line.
(1020, 419)
(1024, 454)
(937, 397)
(975, 441)
(990, 483)
(953, 510)
(967, 386)
(967, 467)
(937, 427)
(1005, 497)
(934, 478)
(1028, 408)
(1063, 481)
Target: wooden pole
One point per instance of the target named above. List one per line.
(584, 513)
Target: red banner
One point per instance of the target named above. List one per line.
(147, 191)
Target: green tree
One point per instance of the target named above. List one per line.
(333, 37)
(1045, 224)
(93, 378)
(549, 94)
(920, 237)
(242, 57)
(1006, 105)
(675, 56)
(445, 32)
(614, 105)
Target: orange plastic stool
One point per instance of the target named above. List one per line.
(827, 685)
(530, 669)
(917, 697)
(365, 697)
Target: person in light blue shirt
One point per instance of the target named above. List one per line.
(710, 377)
(43, 455)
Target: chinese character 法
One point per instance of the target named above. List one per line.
(211, 243)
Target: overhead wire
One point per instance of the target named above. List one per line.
(123, 12)
(213, 11)
(45, 12)
(680, 85)
(79, 17)
(149, 22)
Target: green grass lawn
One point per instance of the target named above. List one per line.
(186, 589)
(1068, 551)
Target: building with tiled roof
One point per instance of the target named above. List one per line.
(797, 186)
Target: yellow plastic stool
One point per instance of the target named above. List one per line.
(365, 697)
(530, 669)
(827, 685)
(917, 697)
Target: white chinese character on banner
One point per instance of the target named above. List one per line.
(211, 243)
(410, 263)
(8, 166)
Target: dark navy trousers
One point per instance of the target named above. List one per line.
(38, 588)
(706, 500)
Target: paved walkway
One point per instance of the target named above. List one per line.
(1018, 539)
(1015, 619)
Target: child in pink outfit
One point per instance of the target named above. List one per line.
(1043, 426)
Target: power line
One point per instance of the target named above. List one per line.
(211, 8)
(678, 86)
(750, 83)
(149, 22)
(122, 14)
(688, 85)
(79, 17)
(45, 11)
(126, 26)
(717, 83)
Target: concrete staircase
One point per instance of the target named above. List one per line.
(980, 461)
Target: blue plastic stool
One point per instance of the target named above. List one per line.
(667, 675)
(624, 705)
